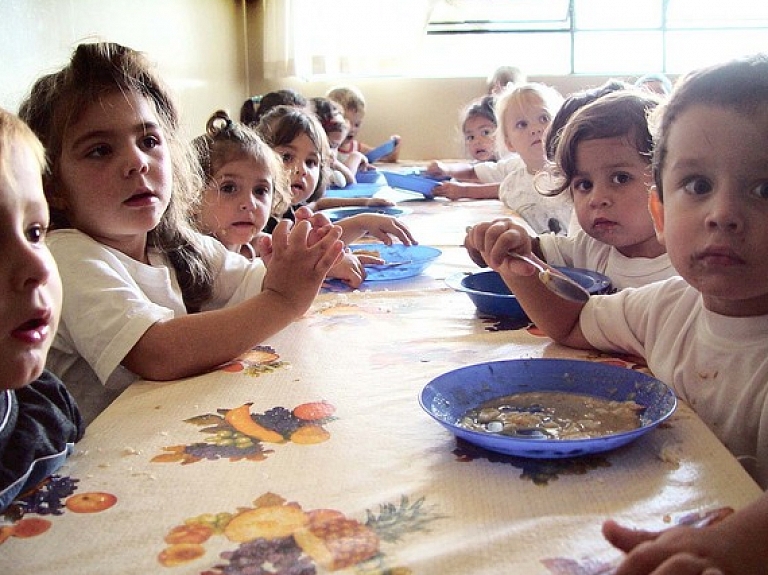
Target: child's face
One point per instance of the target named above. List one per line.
(525, 126)
(355, 120)
(610, 196)
(237, 202)
(302, 162)
(31, 300)
(478, 137)
(714, 219)
(116, 172)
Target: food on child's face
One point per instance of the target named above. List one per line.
(553, 415)
(92, 502)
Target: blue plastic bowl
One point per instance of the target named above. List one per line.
(370, 177)
(491, 295)
(413, 182)
(448, 397)
(415, 259)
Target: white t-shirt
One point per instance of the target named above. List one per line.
(543, 213)
(495, 172)
(111, 300)
(581, 250)
(716, 364)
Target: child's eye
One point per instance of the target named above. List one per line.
(697, 186)
(287, 157)
(486, 133)
(620, 178)
(469, 138)
(313, 162)
(149, 142)
(262, 191)
(35, 233)
(761, 190)
(545, 119)
(583, 186)
(98, 151)
(521, 125)
(227, 188)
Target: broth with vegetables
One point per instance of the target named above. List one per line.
(553, 415)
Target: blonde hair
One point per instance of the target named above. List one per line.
(14, 131)
(349, 97)
(532, 92)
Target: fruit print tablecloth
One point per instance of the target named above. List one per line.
(311, 454)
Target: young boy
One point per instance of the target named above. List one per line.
(39, 421)
(705, 333)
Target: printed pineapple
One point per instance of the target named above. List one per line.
(336, 541)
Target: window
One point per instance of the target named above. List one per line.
(598, 37)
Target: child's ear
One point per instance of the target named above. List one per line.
(657, 213)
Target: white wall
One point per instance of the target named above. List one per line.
(197, 45)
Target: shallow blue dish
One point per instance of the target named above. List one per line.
(415, 259)
(491, 295)
(411, 181)
(448, 397)
(380, 151)
(336, 214)
(370, 177)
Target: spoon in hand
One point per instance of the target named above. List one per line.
(556, 282)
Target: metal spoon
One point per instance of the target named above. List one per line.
(556, 282)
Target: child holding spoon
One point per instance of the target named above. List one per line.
(704, 333)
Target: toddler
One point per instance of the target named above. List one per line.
(332, 120)
(352, 102)
(147, 296)
(503, 76)
(244, 184)
(479, 130)
(39, 420)
(705, 333)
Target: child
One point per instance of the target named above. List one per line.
(301, 142)
(254, 108)
(146, 295)
(244, 184)
(353, 103)
(523, 114)
(331, 117)
(604, 161)
(502, 77)
(656, 83)
(479, 130)
(39, 420)
(705, 333)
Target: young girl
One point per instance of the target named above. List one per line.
(706, 333)
(479, 130)
(146, 295)
(331, 117)
(300, 141)
(244, 184)
(603, 161)
(40, 421)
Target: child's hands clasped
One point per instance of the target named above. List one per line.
(300, 258)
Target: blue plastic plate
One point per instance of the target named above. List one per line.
(370, 177)
(379, 152)
(413, 181)
(336, 214)
(416, 259)
(448, 397)
(491, 295)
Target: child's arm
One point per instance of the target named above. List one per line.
(736, 544)
(330, 203)
(558, 318)
(459, 170)
(466, 190)
(355, 162)
(191, 344)
(380, 226)
(392, 157)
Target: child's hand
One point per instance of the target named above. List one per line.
(436, 169)
(320, 223)
(297, 268)
(714, 548)
(491, 242)
(393, 155)
(378, 203)
(380, 226)
(451, 190)
(350, 270)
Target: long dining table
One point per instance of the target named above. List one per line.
(311, 454)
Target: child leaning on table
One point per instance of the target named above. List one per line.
(352, 102)
(705, 333)
(39, 420)
(244, 184)
(147, 296)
